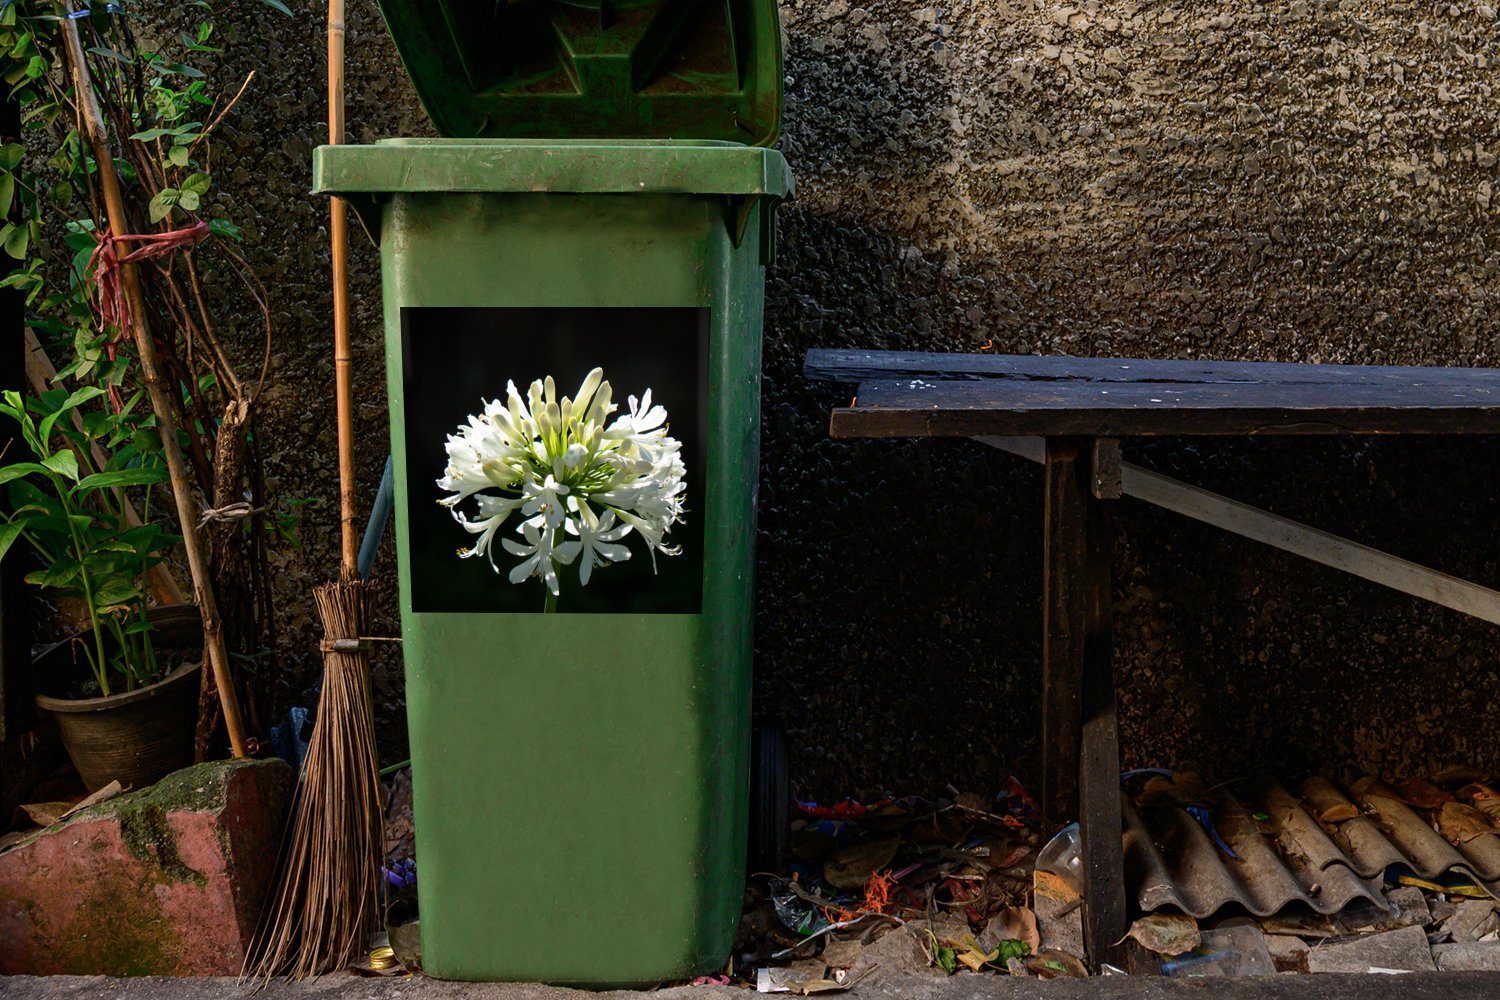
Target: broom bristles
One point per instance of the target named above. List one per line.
(327, 897)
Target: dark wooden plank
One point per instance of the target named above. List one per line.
(926, 408)
(867, 366)
(1064, 622)
(1101, 828)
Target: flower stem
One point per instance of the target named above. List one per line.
(551, 604)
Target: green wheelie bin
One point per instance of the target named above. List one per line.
(573, 282)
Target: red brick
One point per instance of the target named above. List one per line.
(166, 881)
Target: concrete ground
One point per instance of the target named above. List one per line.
(1417, 986)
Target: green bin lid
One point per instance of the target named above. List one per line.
(569, 69)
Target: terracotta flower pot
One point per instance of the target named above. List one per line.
(135, 737)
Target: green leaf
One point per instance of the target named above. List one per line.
(223, 227)
(17, 239)
(277, 5)
(188, 201)
(108, 53)
(9, 532)
(64, 463)
(177, 156)
(161, 205)
(20, 469)
(76, 398)
(1011, 948)
(116, 592)
(7, 192)
(11, 155)
(197, 183)
(57, 575)
(121, 477)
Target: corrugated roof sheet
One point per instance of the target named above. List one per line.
(1325, 849)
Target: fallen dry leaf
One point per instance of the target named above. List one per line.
(104, 794)
(1484, 798)
(1014, 923)
(45, 813)
(1166, 933)
(851, 867)
(1339, 812)
(1460, 824)
(1458, 774)
(1326, 802)
(1423, 794)
(1053, 964)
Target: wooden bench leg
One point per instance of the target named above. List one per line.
(1064, 616)
(1080, 738)
(1100, 824)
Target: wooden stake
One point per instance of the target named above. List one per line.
(342, 356)
(161, 402)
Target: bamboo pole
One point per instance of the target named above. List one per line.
(161, 402)
(342, 356)
(40, 372)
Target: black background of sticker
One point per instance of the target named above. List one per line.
(453, 358)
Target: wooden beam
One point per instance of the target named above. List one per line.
(1291, 536)
(1064, 624)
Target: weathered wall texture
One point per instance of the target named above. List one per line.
(1303, 181)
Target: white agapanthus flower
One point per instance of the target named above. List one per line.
(577, 482)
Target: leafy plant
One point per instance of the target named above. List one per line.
(153, 74)
(75, 518)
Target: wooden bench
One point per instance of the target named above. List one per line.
(1069, 414)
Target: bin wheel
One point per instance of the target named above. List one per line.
(770, 795)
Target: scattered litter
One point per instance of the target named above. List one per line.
(1381, 879)
(1238, 950)
(886, 886)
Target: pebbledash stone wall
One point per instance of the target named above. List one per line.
(1299, 181)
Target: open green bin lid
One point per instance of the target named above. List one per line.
(570, 69)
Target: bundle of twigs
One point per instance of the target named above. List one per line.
(327, 902)
(328, 898)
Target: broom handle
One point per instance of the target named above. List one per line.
(342, 359)
(161, 404)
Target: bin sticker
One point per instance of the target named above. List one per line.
(555, 458)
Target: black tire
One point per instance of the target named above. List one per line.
(770, 798)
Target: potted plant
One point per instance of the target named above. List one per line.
(121, 690)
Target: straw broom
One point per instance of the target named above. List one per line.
(328, 899)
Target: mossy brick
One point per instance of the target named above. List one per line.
(169, 880)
